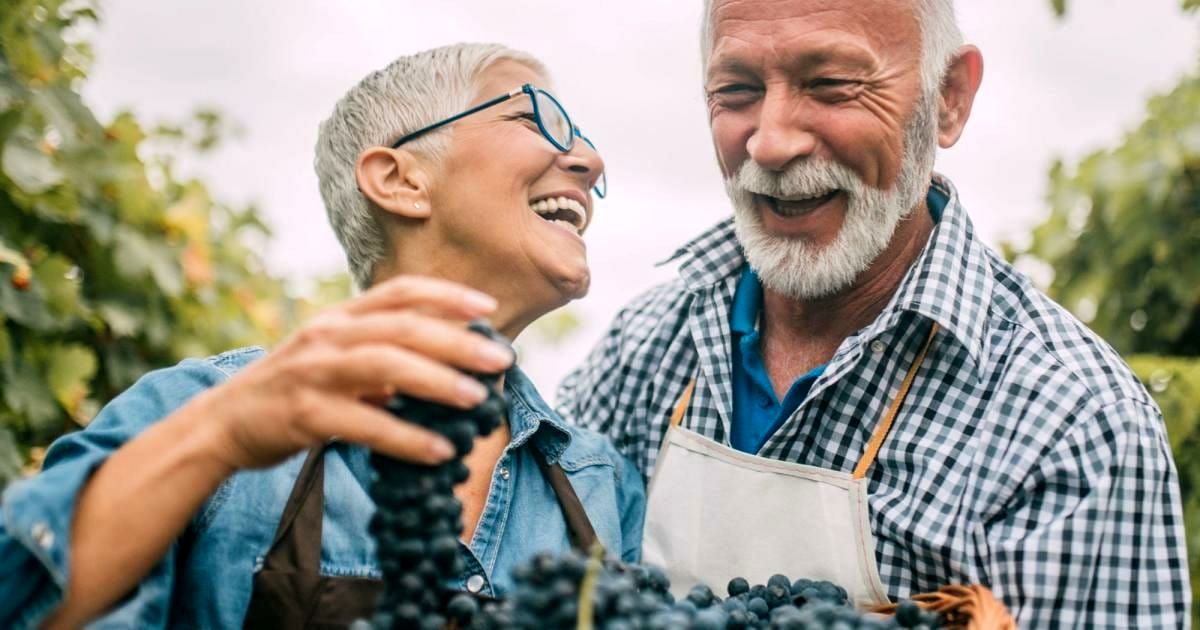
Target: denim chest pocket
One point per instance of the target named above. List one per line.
(593, 477)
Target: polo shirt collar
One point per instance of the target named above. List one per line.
(747, 303)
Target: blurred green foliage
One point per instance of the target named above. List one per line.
(110, 264)
(1123, 240)
(1123, 235)
(1060, 6)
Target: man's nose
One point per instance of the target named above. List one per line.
(782, 134)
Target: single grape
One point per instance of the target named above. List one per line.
(701, 596)
(779, 580)
(737, 586)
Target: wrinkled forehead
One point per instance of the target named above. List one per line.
(785, 25)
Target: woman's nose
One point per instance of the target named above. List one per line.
(584, 161)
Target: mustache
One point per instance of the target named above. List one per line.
(807, 178)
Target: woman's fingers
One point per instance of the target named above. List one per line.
(424, 293)
(443, 341)
(368, 370)
(406, 336)
(378, 430)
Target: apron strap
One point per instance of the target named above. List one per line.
(298, 536)
(681, 407)
(881, 431)
(579, 526)
(286, 590)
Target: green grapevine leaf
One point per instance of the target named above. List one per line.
(123, 320)
(10, 458)
(30, 169)
(59, 281)
(69, 369)
(23, 306)
(138, 257)
(26, 393)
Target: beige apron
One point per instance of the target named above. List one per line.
(715, 513)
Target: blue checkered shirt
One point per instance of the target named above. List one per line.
(1027, 456)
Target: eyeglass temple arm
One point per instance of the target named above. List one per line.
(438, 125)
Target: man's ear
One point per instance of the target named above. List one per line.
(958, 94)
(395, 181)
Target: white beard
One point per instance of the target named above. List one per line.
(794, 267)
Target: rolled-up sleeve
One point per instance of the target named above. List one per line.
(1095, 536)
(36, 513)
(30, 579)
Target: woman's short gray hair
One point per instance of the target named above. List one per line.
(940, 39)
(411, 92)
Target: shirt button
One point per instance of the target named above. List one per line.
(42, 535)
(504, 473)
(475, 583)
(764, 402)
(878, 346)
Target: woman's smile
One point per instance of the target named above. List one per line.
(562, 210)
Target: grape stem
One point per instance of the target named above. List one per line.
(587, 588)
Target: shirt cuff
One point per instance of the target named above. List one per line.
(37, 514)
(35, 611)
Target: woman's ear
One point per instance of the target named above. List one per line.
(394, 180)
(958, 94)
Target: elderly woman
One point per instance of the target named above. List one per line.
(448, 169)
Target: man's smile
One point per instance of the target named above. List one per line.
(800, 205)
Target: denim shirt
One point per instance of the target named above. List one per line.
(206, 578)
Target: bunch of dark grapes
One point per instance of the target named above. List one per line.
(417, 519)
(555, 591)
(552, 592)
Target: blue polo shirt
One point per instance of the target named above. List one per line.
(757, 412)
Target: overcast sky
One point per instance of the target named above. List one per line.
(629, 73)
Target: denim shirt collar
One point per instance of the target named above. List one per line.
(531, 418)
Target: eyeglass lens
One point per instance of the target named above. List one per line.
(555, 121)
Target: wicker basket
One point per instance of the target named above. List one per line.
(963, 608)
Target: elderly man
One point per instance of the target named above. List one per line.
(845, 383)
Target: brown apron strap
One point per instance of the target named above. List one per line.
(299, 532)
(681, 407)
(881, 431)
(286, 590)
(579, 526)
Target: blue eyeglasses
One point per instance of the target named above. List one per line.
(552, 120)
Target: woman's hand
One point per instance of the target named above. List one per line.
(406, 335)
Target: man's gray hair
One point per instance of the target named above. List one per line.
(940, 38)
(411, 92)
